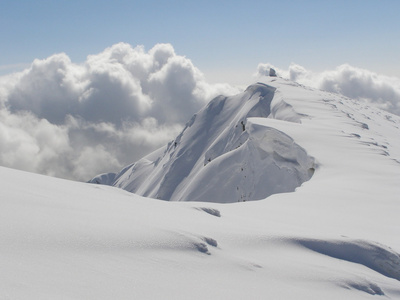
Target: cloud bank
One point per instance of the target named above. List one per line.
(347, 80)
(77, 120)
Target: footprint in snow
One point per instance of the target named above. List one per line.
(203, 248)
(364, 286)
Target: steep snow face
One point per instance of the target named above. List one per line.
(220, 156)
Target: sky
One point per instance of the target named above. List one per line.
(224, 39)
(88, 87)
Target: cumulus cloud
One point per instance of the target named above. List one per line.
(347, 80)
(77, 120)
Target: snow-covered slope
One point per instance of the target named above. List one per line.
(220, 157)
(335, 237)
(67, 240)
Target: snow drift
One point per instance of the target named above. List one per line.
(221, 156)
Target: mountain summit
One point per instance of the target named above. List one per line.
(252, 145)
(222, 156)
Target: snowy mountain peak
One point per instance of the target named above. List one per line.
(264, 141)
(221, 156)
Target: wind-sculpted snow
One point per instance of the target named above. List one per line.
(372, 255)
(268, 162)
(220, 156)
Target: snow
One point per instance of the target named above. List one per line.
(334, 236)
(246, 161)
(105, 178)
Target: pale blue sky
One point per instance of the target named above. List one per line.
(224, 39)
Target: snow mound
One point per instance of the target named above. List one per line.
(377, 257)
(221, 156)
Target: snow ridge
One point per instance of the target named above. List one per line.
(221, 156)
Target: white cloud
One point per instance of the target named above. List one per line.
(32, 144)
(347, 80)
(77, 120)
